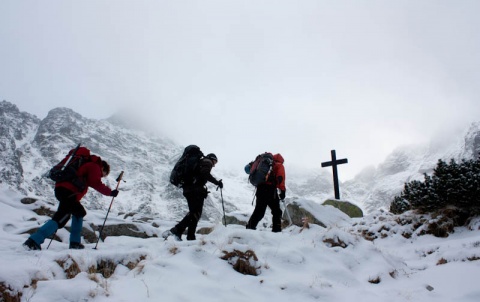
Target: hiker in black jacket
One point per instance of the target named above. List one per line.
(195, 192)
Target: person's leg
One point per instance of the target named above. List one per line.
(262, 195)
(274, 205)
(196, 208)
(76, 230)
(59, 219)
(47, 230)
(78, 212)
(68, 203)
(180, 227)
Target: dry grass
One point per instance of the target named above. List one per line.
(106, 268)
(335, 242)
(173, 250)
(241, 261)
(133, 264)
(306, 223)
(7, 294)
(70, 267)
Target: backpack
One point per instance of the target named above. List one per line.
(184, 170)
(261, 169)
(66, 169)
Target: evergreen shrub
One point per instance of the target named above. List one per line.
(451, 185)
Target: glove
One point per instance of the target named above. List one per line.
(114, 193)
(282, 194)
(220, 184)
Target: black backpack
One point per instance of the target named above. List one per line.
(261, 169)
(66, 169)
(184, 170)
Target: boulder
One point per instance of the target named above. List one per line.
(346, 207)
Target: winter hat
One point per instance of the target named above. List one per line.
(212, 156)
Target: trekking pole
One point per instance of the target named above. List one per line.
(51, 239)
(119, 179)
(223, 206)
(288, 213)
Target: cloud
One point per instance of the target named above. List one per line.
(240, 78)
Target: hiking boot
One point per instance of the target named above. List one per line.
(31, 245)
(76, 246)
(172, 232)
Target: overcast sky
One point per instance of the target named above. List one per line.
(242, 77)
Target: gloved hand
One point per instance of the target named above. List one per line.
(220, 184)
(114, 193)
(282, 194)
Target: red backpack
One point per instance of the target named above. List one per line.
(66, 169)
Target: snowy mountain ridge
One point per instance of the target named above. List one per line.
(374, 188)
(30, 146)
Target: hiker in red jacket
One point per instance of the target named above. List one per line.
(69, 193)
(267, 195)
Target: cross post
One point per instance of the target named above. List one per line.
(334, 163)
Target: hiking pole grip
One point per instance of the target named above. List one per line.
(119, 179)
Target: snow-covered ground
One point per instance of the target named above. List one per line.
(299, 264)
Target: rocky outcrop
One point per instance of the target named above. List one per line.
(346, 207)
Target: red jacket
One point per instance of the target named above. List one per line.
(91, 173)
(279, 171)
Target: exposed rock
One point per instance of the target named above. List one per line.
(28, 200)
(234, 220)
(121, 230)
(346, 207)
(43, 211)
(299, 214)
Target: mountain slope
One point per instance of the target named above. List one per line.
(30, 146)
(375, 188)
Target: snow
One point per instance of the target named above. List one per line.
(299, 264)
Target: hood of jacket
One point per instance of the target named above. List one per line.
(278, 158)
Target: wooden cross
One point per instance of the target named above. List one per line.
(334, 163)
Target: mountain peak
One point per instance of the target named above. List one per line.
(7, 106)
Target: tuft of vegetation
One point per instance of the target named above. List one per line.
(334, 242)
(106, 267)
(7, 294)
(242, 262)
(70, 266)
(306, 223)
(451, 185)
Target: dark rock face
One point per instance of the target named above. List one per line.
(15, 128)
(29, 147)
